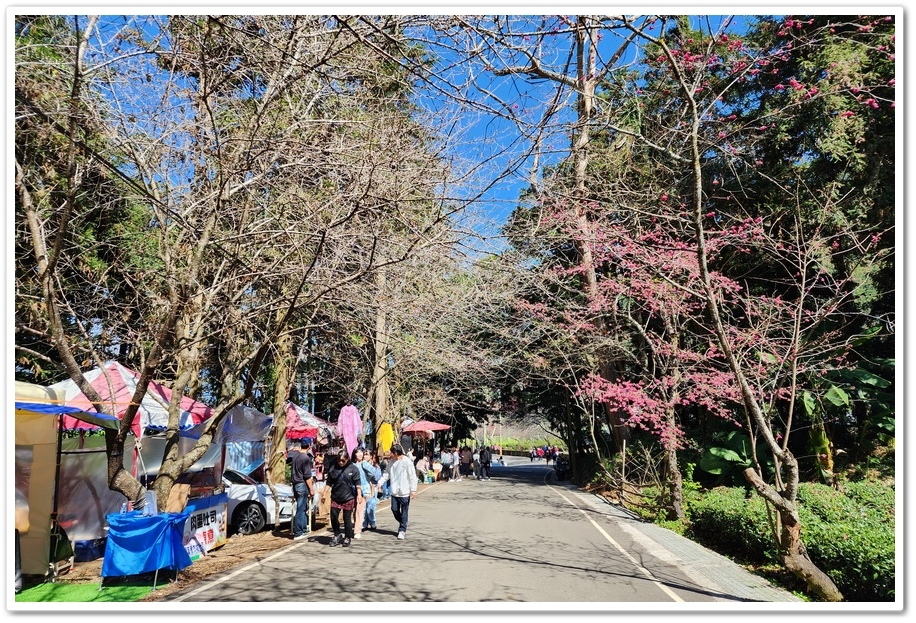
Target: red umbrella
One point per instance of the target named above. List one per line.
(423, 425)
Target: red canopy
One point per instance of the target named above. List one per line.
(154, 409)
(424, 425)
(301, 424)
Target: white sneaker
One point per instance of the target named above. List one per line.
(357, 535)
(401, 535)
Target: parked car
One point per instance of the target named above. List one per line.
(251, 504)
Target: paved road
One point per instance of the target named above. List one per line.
(515, 539)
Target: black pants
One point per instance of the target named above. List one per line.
(348, 522)
(400, 508)
(485, 470)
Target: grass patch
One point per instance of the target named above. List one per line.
(51, 592)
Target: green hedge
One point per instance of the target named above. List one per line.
(733, 522)
(849, 535)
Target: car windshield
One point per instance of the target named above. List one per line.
(236, 478)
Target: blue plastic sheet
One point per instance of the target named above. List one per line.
(138, 544)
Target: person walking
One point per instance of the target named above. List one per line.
(302, 464)
(372, 503)
(344, 480)
(445, 457)
(384, 488)
(486, 457)
(369, 475)
(402, 475)
(359, 512)
(456, 462)
(466, 459)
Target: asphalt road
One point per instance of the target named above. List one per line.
(515, 540)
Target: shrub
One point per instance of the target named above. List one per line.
(849, 536)
(729, 521)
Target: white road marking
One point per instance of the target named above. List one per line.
(238, 571)
(645, 571)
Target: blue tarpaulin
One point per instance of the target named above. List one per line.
(38, 409)
(143, 544)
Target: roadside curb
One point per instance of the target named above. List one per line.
(713, 571)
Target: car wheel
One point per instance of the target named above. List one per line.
(249, 518)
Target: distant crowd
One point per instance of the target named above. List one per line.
(453, 464)
(545, 452)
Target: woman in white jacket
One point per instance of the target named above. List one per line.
(401, 475)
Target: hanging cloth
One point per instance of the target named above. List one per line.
(349, 425)
(385, 437)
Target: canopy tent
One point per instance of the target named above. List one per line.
(82, 482)
(37, 477)
(300, 424)
(116, 385)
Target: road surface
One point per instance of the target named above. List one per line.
(516, 539)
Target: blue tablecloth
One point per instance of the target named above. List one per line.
(138, 544)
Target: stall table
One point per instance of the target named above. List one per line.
(140, 543)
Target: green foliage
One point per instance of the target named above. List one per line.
(852, 539)
(732, 521)
(732, 458)
(850, 535)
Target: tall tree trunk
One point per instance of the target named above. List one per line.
(285, 370)
(673, 480)
(380, 369)
(587, 80)
(792, 550)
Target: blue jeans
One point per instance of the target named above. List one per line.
(369, 518)
(399, 508)
(303, 502)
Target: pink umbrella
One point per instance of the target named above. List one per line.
(421, 426)
(349, 425)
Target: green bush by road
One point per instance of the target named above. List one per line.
(849, 534)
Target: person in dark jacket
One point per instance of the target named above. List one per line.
(485, 457)
(302, 464)
(344, 479)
